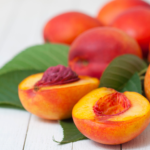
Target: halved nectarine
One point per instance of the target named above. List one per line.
(53, 94)
(109, 117)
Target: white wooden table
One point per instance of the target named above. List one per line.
(21, 24)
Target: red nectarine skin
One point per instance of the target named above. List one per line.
(136, 23)
(114, 8)
(118, 120)
(65, 27)
(93, 50)
(112, 133)
(149, 54)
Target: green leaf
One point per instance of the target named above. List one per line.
(70, 132)
(120, 70)
(38, 57)
(133, 84)
(9, 87)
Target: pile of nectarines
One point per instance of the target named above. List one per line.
(103, 115)
(92, 45)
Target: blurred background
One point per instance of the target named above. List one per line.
(22, 21)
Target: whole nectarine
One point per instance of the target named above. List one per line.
(136, 23)
(109, 117)
(65, 27)
(93, 50)
(53, 94)
(114, 8)
(149, 54)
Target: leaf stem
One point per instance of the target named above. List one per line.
(143, 71)
(142, 77)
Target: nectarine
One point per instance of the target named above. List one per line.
(93, 50)
(109, 117)
(147, 83)
(149, 54)
(114, 8)
(65, 27)
(136, 23)
(53, 94)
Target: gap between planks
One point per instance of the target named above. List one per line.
(26, 132)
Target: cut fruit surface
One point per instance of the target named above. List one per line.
(84, 108)
(53, 102)
(29, 82)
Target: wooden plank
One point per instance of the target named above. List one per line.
(142, 142)
(13, 123)
(13, 126)
(26, 30)
(22, 31)
(8, 11)
(91, 7)
(88, 6)
(41, 133)
(28, 26)
(91, 145)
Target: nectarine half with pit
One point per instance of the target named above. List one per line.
(109, 117)
(64, 28)
(52, 95)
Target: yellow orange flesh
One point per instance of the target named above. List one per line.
(53, 102)
(114, 129)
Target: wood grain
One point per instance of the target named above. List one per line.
(142, 142)
(91, 145)
(13, 128)
(41, 133)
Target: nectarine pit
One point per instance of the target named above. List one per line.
(111, 105)
(57, 75)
